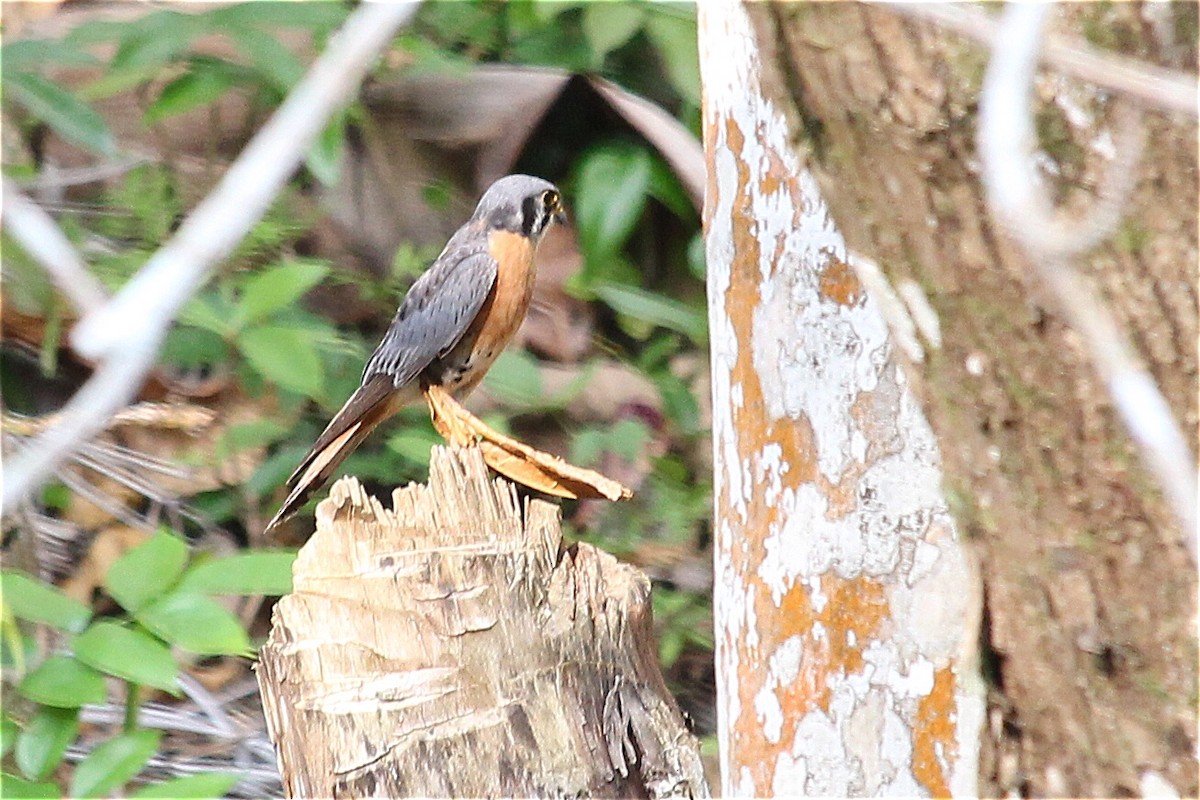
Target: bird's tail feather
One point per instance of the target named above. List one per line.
(371, 404)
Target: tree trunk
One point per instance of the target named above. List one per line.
(845, 604)
(455, 648)
(1088, 628)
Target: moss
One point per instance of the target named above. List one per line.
(1087, 541)
(1131, 237)
(1054, 137)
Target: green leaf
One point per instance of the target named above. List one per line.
(129, 654)
(279, 66)
(209, 312)
(655, 309)
(113, 764)
(548, 10)
(69, 116)
(194, 88)
(9, 731)
(266, 572)
(676, 39)
(515, 379)
(607, 26)
(317, 16)
(191, 347)
(278, 287)
(696, 256)
(666, 188)
(35, 601)
(32, 54)
(196, 623)
(12, 786)
(611, 187)
(147, 571)
(627, 438)
(63, 682)
(154, 40)
(247, 435)
(285, 356)
(190, 787)
(414, 444)
(679, 402)
(324, 158)
(45, 739)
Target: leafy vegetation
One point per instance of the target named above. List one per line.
(166, 596)
(251, 325)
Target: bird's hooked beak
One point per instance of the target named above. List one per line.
(559, 213)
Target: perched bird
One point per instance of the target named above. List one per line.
(450, 327)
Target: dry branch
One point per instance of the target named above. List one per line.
(455, 647)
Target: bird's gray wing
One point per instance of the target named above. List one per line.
(436, 312)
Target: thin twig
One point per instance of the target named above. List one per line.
(126, 333)
(1160, 87)
(1018, 198)
(36, 232)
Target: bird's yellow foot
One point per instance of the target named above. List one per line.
(516, 460)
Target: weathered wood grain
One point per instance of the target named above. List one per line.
(456, 647)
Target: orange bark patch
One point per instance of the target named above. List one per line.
(840, 284)
(851, 617)
(935, 725)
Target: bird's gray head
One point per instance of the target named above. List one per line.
(521, 204)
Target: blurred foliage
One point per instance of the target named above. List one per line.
(250, 323)
(166, 596)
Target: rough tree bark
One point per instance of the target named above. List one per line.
(1090, 601)
(845, 604)
(454, 648)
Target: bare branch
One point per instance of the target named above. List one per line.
(1159, 87)
(1019, 200)
(125, 334)
(38, 234)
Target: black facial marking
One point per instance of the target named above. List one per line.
(529, 215)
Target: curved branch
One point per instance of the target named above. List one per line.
(1018, 198)
(1161, 88)
(125, 334)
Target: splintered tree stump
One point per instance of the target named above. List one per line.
(454, 647)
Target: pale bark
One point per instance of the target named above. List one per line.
(1089, 635)
(455, 648)
(845, 603)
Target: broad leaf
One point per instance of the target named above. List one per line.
(610, 193)
(675, 37)
(8, 735)
(44, 740)
(128, 654)
(194, 88)
(278, 287)
(69, 116)
(266, 572)
(324, 158)
(278, 65)
(113, 764)
(63, 682)
(607, 26)
(655, 309)
(33, 600)
(205, 785)
(196, 623)
(12, 786)
(515, 379)
(147, 571)
(286, 356)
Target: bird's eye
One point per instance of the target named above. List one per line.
(550, 198)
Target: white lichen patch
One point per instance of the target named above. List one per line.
(821, 361)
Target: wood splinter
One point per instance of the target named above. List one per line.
(515, 460)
